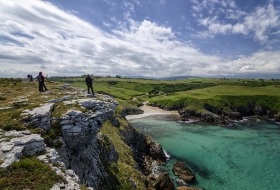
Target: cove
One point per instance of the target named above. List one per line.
(245, 155)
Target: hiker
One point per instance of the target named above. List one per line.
(89, 84)
(28, 78)
(41, 80)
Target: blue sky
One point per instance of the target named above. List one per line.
(156, 38)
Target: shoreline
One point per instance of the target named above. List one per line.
(152, 111)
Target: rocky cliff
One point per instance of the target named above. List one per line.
(86, 141)
(229, 107)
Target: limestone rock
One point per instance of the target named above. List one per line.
(60, 99)
(182, 171)
(39, 117)
(53, 159)
(23, 143)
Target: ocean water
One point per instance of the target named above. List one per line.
(244, 156)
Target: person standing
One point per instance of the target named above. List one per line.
(89, 83)
(41, 80)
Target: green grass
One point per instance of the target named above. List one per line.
(190, 93)
(223, 97)
(124, 168)
(28, 173)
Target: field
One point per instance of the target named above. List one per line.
(188, 94)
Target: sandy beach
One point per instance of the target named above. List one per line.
(150, 111)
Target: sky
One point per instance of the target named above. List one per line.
(155, 38)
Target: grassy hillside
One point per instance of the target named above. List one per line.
(189, 93)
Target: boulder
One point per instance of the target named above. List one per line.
(211, 117)
(132, 111)
(156, 151)
(182, 171)
(232, 115)
(164, 182)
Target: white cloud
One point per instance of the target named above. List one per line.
(39, 36)
(235, 14)
(106, 24)
(129, 6)
(258, 23)
(73, 12)
(232, 4)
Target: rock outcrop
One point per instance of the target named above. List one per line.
(211, 117)
(52, 158)
(15, 144)
(156, 151)
(182, 171)
(164, 182)
(39, 117)
(132, 111)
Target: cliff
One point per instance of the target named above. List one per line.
(84, 139)
(224, 107)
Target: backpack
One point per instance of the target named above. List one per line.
(39, 78)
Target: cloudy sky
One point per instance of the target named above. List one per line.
(158, 38)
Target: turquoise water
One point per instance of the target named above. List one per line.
(244, 156)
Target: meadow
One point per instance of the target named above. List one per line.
(191, 93)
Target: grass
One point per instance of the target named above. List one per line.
(28, 173)
(190, 93)
(222, 96)
(123, 169)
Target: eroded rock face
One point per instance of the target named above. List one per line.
(84, 149)
(182, 171)
(15, 144)
(39, 117)
(164, 182)
(77, 128)
(52, 158)
(156, 151)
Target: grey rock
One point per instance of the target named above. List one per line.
(39, 117)
(23, 143)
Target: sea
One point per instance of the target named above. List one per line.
(243, 155)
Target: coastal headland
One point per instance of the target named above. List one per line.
(87, 140)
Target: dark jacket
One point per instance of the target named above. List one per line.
(89, 80)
